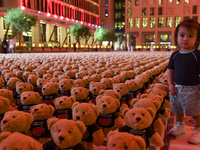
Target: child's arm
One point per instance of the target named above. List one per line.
(170, 76)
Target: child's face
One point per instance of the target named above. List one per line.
(186, 38)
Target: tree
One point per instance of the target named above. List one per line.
(20, 22)
(101, 34)
(80, 32)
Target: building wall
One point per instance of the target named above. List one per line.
(170, 8)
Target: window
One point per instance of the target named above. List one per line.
(160, 22)
(116, 25)
(195, 18)
(106, 12)
(186, 1)
(159, 10)
(106, 3)
(102, 24)
(144, 22)
(177, 1)
(160, 2)
(177, 21)
(137, 22)
(117, 15)
(129, 11)
(152, 22)
(169, 22)
(186, 18)
(116, 6)
(120, 25)
(152, 11)
(194, 10)
(136, 2)
(129, 2)
(130, 22)
(165, 38)
(143, 11)
(120, 5)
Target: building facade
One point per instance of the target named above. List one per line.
(151, 23)
(54, 19)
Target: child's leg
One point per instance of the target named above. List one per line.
(179, 117)
(195, 137)
(196, 120)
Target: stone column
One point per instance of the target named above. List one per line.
(36, 34)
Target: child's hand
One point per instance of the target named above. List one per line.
(172, 89)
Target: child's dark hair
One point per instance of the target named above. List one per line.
(190, 24)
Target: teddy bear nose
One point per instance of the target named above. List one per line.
(35, 109)
(138, 119)
(77, 117)
(61, 85)
(117, 90)
(43, 89)
(104, 105)
(5, 121)
(95, 89)
(60, 102)
(29, 79)
(61, 138)
(24, 97)
(76, 92)
(20, 89)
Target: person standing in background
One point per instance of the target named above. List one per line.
(11, 44)
(4, 46)
(74, 47)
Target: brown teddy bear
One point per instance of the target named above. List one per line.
(18, 141)
(108, 83)
(80, 75)
(50, 92)
(40, 83)
(40, 72)
(25, 75)
(19, 74)
(32, 79)
(4, 106)
(11, 84)
(125, 141)
(88, 80)
(16, 121)
(80, 94)
(28, 99)
(71, 74)
(55, 80)
(135, 87)
(66, 134)
(138, 122)
(94, 89)
(120, 77)
(108, 117)
(80, 83)
(7, 76)
(2, 82)
(40, 113)
(8, 94)
(57, 73)
(97, 77)
(88, 113)
(21, 87)
(111, 93)
(47, 76)
(63, 76)
(63, 107)
(65, 86)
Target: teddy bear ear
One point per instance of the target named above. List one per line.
(52, 109)
(102, 91)
(32, 108)
(140, 141)
(37, 95)
(51, 121)
(72, 81)
(149, 91)
(152, 86)
(124, 112)
(57, 86)
(73, 99)
(135, 100)
(151, 111)
(104, 86)
(118, 95)
(117, 102)
(84, 81)
(111, 133)
(98, 97)
(75, 104)
(31, 86)
(96, 109)
(29, 118)
(4, 135)
(128, 86)
(91, 83)
(81, 126)
(6, 101)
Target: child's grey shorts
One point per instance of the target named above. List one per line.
(187, 100)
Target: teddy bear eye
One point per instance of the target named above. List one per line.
(69, 132)
(114, 145)
(24, 86)
(108, 102)
(83, 113)
(143, 115)
(42, 107)
(59, 130)
(133, 114)
(125, 147)
(120, 88)
(80, 90)
(76, 111)
(14, 116)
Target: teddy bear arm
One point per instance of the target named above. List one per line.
(157, 140)
(168, 104)
(158, 126)
(98, 137)
(118, 122)
(166, 114)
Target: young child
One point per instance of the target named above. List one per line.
(183, 78)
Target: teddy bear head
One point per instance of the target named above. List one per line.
(29, 97)
(65, 84)
(55, 80)
(122, 88)
(95, 87)
(28, 68)
(19, 74)
(120, 77)
(26, 74)
(50, 88)
(4, 104)
(135, 84)
(32, 79)
(107, 104)
(153, 97)
(16, 121)
(67, 67)
(108, 82)
(57, 73)
(23, 86)
(80, 83)
(8, 75)
(2, 81)
(157, 91)
(18, 141)
(160, 86)
(138, 118)
(80, 75)
(88, 79)
(64, 130)
(40, 72)
(106, 74)
(85, 112)
(41, 82)
(144, 78)
(11, 84)
(64, 102)
(111, 93)
(163, 78)
(70, 73)
(7, 94)
(79, 93)
(47, 76)
(42, 111)
(97, 77)
(63, 76)
(125, 141)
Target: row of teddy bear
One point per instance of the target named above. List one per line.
(130, 97)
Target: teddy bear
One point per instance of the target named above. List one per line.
(63, 107)
(32, 79)
(80, 75)
(38, 128)
(55, 80)
(97, 77)
(57, 73)
(162, 87)
(47, 76)
(18, 141)
(19, 74)
(66, 134)
(123, 89)
(28, 99)
(120, 77)
(88, 80)
(108, 117)
(138, 122)
(40, 82)
(88, 113)
(65, 86)
(80, 94)
(135, 87)
(125, 141)
(94, 89)
(70, 73)
(163, 78)
(111, 93)
(11, 84)
(25, 75)
(2, 82)
(80, 83)
(50, 92)
(16, 121)
(108, 83)
(7, 76)
(8, 94)
(40, 72)
(4, 106)
(157, 124)
(63, 76)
